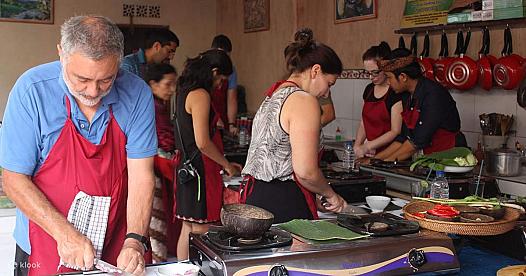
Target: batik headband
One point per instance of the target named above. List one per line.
(392, 64)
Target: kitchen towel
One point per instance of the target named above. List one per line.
(89, 215)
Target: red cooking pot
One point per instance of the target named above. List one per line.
(462, 73)
(509, 70)
(440, 66)
(484, 63)
(426, 63)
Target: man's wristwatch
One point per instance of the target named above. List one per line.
(142, 239)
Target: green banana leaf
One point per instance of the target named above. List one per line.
(319, 230)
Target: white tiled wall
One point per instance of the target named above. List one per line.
(347, 98)
(7, 244)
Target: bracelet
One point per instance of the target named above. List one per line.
(231, 124)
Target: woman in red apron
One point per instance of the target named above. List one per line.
(163, 232)
(381, 114)
(281, 172)
(199, 198)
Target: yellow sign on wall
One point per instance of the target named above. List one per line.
(419, 13)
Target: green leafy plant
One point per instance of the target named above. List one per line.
(457, 157)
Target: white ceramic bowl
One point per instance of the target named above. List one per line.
(377, 203)
(178, 269)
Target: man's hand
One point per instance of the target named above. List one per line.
(131, 258)
(76, 249)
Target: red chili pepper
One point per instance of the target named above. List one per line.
(443, 211)
(420, 215)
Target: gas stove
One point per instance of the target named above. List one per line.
(221, 239)
(425, 251)
(354, 186)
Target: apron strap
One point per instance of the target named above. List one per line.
(247, 185)
(309, 198)
(68, 106)
(276, 85)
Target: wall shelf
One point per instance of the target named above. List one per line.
(515, 22)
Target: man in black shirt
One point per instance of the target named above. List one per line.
(431, 121)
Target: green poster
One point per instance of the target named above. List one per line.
(425, 12)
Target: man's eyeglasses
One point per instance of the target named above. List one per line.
(373, 73)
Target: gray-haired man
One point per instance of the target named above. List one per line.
(77, 147)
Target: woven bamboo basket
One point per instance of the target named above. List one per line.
(497, 227)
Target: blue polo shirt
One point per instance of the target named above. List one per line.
(36, 113)
(133, 62)
(232, 79)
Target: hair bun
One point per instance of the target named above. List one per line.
(304, 36)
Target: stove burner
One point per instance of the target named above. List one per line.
(249, 241)
(274, 237)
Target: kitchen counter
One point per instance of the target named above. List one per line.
(513, 185)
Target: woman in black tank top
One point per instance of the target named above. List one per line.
(199, 200)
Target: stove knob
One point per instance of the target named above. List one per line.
(278, 270)
(416, 258)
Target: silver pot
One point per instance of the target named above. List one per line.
(503, 162)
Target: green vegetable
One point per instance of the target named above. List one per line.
(472, 160)
(466, 200)
(458, 156)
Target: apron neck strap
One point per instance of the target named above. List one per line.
(68, 106)
(276, 85)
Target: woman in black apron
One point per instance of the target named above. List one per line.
(281, 172)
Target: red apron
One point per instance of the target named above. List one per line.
(214, 179)
(376, 118)
(248, 180)
(219, 101)
(442, 139)
(74, 164)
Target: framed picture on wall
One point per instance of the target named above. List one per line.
(29, 11)
(256, 15)
(354, 10)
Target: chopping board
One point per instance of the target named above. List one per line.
(319, 230)
(514, 270)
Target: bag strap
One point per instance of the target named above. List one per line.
(185, 156)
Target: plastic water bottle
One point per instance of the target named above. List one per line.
(243, 136)
(348, 156)
(439, 186)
